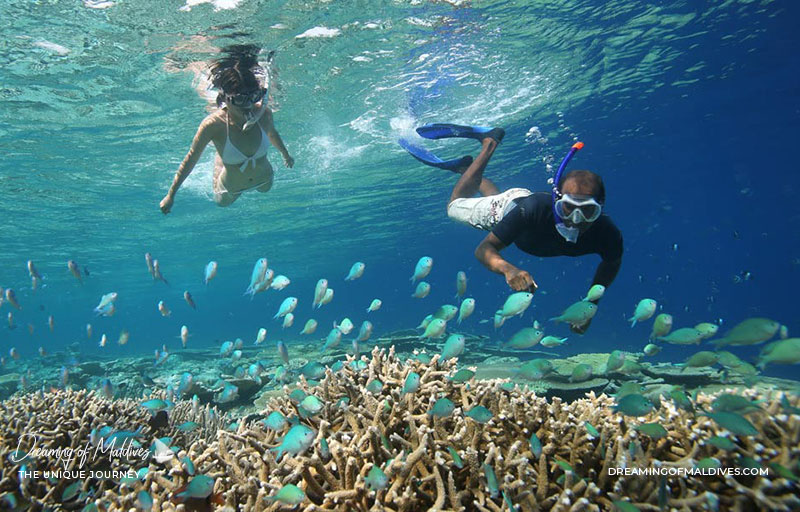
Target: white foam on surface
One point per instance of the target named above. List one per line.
(98, 4)
(219, 5)
(317, 32)
(53, 47)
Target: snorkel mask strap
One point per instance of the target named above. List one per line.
(574, 149)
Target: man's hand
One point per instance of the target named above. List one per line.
(520, 281)
(166, 204)
(288, 160)
(580, 329)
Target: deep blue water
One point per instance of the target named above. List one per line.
(692, 124)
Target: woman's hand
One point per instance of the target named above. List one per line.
(166, 204)
(288, 160)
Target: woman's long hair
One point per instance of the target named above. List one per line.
(236, 70)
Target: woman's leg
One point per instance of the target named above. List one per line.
(267, 185)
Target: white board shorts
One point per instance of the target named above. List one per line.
(484, 212)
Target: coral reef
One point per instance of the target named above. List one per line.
(364, 425)
(58, 420)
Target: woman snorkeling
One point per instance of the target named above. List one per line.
(241, 162)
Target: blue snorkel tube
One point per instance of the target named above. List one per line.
(570, 234)
(556, 193)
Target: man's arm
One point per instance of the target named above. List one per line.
(606, 272)
(488, 253)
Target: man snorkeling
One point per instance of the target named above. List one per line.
(241, 163)
(565, 222)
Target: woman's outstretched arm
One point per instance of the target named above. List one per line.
(201, 140)
(276, 140)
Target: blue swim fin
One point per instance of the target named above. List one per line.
(428, 158)
(446, 130)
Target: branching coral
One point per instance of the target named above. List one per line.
(439, 462)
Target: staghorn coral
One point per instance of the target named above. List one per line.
(60, 420)
(396, 433)
(209, 419)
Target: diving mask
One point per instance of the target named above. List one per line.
(577, 208)
(246, 100)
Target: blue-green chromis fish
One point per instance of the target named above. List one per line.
(733, 422)
(356, 271)
(653, 430)
(422, 290)
(289, 494)
(661, 326)
(435, 329)
(749, 332)
(200, 486)
(422, 269)
(283, 351)
(297, 440)
(411, 384)
(310, 327)
(375, 305)
(333, 339)
(453, 347)
(535, 369)
(634, 405)
(723, 443)
(615, 361)
(188, 465)
(536, 445)
(577, 314)
(491, 480)
(644, 310)
(524, 338)
(581, 373)
(442, 407)
(376, 479)
(516, 304)
(275, 421)
(462, 375)
(456, 457)
(155, 405)
(461, 283)
(480, 414)
(374, 386)
(144, 501)
(466, 309)
(286, 307)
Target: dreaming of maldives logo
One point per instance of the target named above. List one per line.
(112, 447)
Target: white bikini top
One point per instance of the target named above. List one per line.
(231, 155)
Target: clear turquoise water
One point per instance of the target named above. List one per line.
(688, 111)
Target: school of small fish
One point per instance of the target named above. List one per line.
(435, 326)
